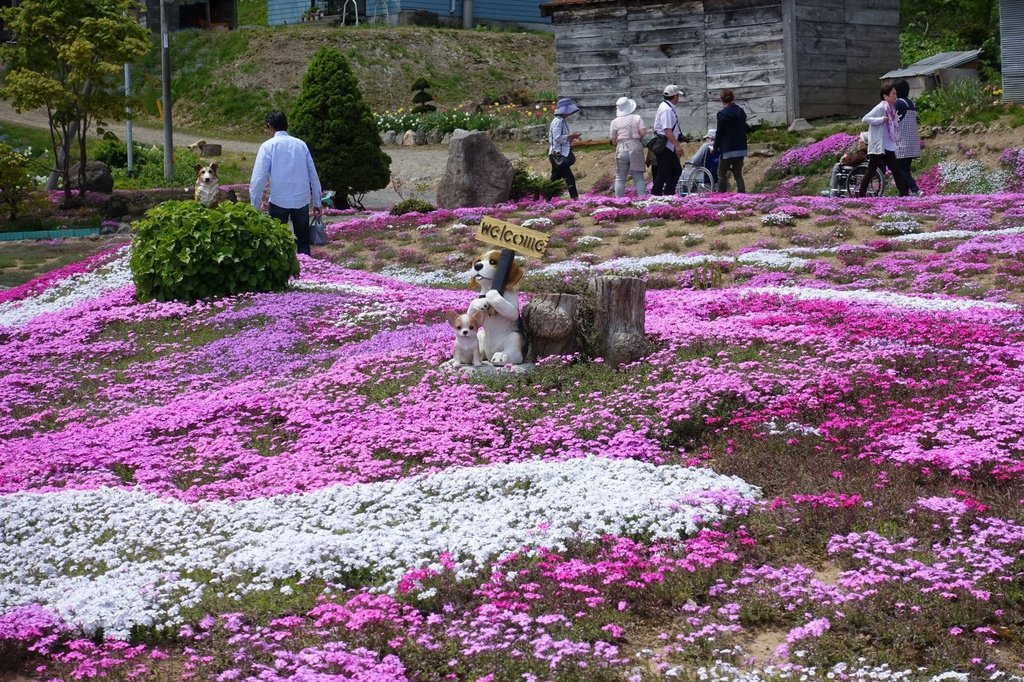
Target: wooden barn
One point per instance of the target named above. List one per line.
(784, 59)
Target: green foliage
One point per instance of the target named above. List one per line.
(252, 12)
(148, 164)
(412, 206)
(526, 183)
(961, 101)
(15, 183)
(441, 121)
(340, 130)
(185, 251)
(422, 98)
(69, 59)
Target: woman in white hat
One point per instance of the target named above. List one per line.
(626, 130)
(559, 150)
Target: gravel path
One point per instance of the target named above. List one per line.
(415, 170)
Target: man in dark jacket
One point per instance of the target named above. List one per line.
(731, 142)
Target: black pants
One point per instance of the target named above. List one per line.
(908, 178)
(666, 176)
(883, 161)
(300, 223)
(564, 172)
(732, 165)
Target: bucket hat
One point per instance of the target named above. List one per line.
(671, 90)
(565, 107)
(710, 134)
(625, 106)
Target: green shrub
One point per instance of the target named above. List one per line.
(185, 251)
(526, 183)
(422, 98)
(961, 101)
(15, 183)
(412, 206)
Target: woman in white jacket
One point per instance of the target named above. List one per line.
(883, 132)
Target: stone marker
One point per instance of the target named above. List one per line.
(477, 173)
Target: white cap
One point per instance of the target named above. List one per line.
(671, 90)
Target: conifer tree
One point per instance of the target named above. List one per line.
(339, 129)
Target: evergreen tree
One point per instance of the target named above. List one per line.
(422, 99)
(340, 130)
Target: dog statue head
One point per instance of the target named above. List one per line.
(486, 266)
(465, 324)
(206, 175)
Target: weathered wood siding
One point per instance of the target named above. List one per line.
(606, 51)
(842, 47)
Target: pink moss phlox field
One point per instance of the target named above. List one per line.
(899, 362)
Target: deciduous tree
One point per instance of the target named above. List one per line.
(68, 57)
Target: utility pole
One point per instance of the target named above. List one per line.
(128, 120)
(165, 69)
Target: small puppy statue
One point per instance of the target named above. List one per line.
(208, 191)
(501, 342)
(466, 350)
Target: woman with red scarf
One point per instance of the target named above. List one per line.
(883, 133)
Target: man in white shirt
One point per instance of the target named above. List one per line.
(666, 124)
(287, 163)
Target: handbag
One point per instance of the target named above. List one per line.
(561, 161)
(317, 232)
(655, 142)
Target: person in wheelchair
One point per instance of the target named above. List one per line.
(694, 178)
(847, 162)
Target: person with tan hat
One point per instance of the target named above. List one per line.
(626, 130)
(559, 145)
(666, 124)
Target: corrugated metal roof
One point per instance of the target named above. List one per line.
(937, 62)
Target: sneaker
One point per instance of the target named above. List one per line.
(919, 193)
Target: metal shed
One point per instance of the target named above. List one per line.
(937, 71)
(1011, 42)
(784, 59)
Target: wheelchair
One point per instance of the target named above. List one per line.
(695, 180)
(848, 178)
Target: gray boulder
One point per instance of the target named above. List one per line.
(97, 177)
(800, 125)
(477, 173)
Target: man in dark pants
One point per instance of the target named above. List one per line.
(731, 142)
(287, 163)
(666, 124)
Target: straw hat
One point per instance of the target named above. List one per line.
(565, 107)
(625, 106)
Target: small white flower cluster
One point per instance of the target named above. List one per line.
(778, 219)
(426, 227)
(889, 298)
(113, 558)
(639, 232)
(68, 293)
(972, 178)
(772, 259)
(956, 234)
(537, 222)
(898, 227)
(588, 240)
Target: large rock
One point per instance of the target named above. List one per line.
(476, 175)
(97, 177)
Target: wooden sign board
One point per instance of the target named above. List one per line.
(509, 236)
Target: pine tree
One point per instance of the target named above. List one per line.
(339, 129)
(422, 99)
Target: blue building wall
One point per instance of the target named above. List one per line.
(518, 11)
(285, 11)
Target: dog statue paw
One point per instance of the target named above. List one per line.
(501, 342)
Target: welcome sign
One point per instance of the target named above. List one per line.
(509, 236)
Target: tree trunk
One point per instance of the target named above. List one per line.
(619, 318)
(550, 322)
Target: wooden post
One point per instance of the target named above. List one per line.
(550, 322)
(619, 318)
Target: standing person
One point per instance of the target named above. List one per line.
(666, 124)
(626, 130)
(731, 142)
(287, 163)
(559, 150)
(883, 130)
(908, 143)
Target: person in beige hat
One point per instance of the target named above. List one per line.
(666, 125)
(626, 130)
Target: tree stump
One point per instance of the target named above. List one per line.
(550, 322)
(619, 318)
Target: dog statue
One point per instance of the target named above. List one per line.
(501, 342)
(466, 350)
(208, 191)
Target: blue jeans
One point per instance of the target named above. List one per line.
(621, 172)
(908, 179)
(300, 223)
